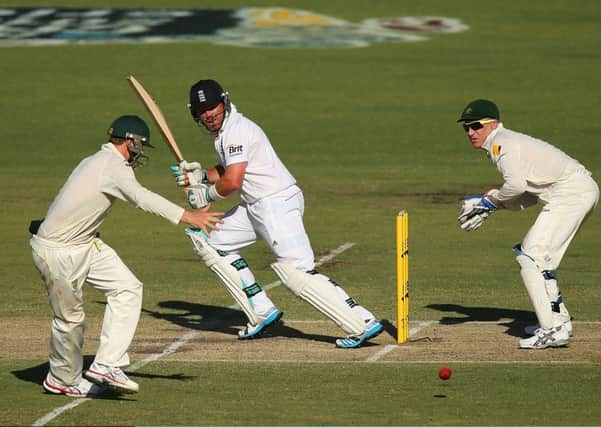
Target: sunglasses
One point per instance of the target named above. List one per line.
(478, 124)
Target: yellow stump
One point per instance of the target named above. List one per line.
(402, 276)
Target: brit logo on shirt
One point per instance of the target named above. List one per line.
(234, 150)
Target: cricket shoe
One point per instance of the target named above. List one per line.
(531, 329)
(112, 377)
(372, 329)
(543, 338)
(84, 389)
(250, 331)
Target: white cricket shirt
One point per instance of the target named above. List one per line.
(86, 198)
(527, 164)
(241, 140)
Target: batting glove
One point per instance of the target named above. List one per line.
(189, 166)
(201, 195)
(189, 174)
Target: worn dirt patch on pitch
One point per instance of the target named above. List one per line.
(298, 341)
(313, 342)
(495, 342)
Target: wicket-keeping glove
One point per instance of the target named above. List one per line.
(474, 222)
(474, 211)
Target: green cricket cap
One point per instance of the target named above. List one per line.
(129, 126)
(479, 109)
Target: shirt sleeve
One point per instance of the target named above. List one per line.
(121, 183)
(509, 164)
(237, 146)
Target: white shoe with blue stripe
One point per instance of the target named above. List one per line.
(372, 329)
(554, 337)
(251, 331)
(533, 329)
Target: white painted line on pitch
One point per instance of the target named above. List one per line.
(387, 349)
(56, 412)
(174, 346)
(475, 322)
(305, 361)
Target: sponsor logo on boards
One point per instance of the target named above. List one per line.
(251, 27)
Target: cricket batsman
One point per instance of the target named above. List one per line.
(271, 209)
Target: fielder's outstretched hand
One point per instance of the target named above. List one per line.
(203, 219)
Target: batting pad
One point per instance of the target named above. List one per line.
(227, 275)
(322, 295)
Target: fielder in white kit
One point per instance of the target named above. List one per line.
(271, 209)
(67, 251)
(533, 171)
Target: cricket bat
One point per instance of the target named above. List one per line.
(157, 115)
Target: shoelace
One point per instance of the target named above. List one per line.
(116, 372)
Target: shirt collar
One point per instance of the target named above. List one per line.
(109, 146)
(487, 146)
(226, 121)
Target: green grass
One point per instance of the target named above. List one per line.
(391, 395)
(367, 132)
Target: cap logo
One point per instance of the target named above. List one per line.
(201, 95)
(468, 110)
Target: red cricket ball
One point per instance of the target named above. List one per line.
(444, 373)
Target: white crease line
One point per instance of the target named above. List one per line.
(174, 346)
(387, 362)
(390, 347)
(387, 349)
(57, 411)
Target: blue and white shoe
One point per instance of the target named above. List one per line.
(554, 337)
(251, 331)
(372, 329)
(533, 329)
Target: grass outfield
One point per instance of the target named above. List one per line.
(291, 395)
(367, 132)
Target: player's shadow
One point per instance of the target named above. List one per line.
(222, 319)
(389, 328)
(516, 319)
(36, 374)
(281, 329)
(175, 377)
(199, 316)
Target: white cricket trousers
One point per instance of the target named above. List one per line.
(568, 204)
(277, 219)
(64, 269)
